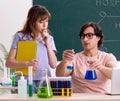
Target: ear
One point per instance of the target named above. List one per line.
(98, 38)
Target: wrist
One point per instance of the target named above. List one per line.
(47, 45)
(64, 61)
(26, 63)
(100, 68)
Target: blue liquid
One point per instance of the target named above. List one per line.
(70, 67)
(90, 75)
(7, 84)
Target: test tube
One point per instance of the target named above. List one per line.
(30, 78)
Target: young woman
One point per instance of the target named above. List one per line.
(35, 28)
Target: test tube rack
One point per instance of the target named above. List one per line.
(61, 86)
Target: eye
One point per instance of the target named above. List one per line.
(40, 21)
(89, 35)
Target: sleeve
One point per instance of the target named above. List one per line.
(52, 44)
(15, 41)
(17, 37)
(111, 59)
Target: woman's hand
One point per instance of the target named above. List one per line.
(33, 63)
(45, 36)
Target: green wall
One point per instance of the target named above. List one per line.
(69, 15)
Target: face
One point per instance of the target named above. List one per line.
(89, 39)
(41, 25)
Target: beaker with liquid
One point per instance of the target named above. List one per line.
(44, 89)
(90, 73)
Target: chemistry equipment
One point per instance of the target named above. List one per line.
(90, 73)
(30, 81)
(44, 89)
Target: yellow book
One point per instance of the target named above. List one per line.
(26, 51)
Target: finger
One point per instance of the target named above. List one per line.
(96, 66)
(69, 53)
(35, 60)
(68, 56)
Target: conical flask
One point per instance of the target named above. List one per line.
(91, 73)
(44, 89)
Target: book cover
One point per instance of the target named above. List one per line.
(26, 51)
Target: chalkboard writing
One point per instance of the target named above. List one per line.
(69, 15)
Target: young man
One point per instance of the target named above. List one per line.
(90, 58)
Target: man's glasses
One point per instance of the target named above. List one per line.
(88, 35)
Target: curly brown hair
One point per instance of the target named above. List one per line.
(97, 30)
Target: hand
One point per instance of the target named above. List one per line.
(68, 55)
(96, 64)
(33, 63)
(45, 36)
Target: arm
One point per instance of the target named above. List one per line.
(12, 63)
(52, 57)
(51, 54)
(106, 69)
(61, 69)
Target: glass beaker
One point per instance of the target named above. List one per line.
(44, 89)
(90, 74)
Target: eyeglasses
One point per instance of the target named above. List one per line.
(88, 35)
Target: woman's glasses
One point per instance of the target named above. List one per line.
(88, 35)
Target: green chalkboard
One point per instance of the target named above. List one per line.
(69, 15)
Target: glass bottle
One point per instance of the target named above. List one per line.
(44, 89)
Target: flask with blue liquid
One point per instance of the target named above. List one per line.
(91, 73)
(69, 65)
(70, 62)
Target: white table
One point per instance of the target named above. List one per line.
(74, 97)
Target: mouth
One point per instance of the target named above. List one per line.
(86, 44)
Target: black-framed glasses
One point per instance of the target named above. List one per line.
(88, 35)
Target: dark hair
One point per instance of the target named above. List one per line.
(97, 31)
(34, 13)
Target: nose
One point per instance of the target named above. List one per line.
(44, 24)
